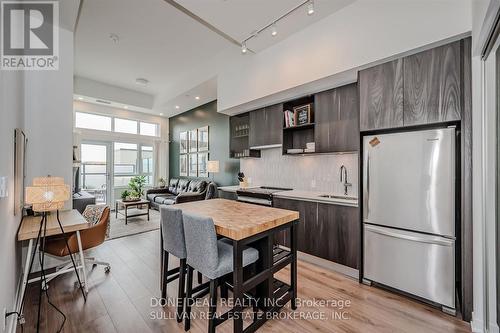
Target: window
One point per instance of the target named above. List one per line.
(125, 126)
(94, 170)
(92, 121)
(147, 163)
(148, 129)
(125, 166)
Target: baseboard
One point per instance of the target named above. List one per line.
(477, 326)
(11, 322)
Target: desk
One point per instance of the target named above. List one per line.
(254, 225)
(72, 221)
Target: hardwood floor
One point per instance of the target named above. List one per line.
(121, 300)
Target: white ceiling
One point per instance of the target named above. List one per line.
(241, 18)
(169, 48)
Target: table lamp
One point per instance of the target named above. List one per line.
(45, 195)
(212, 167)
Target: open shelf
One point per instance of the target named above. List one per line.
(308, 125)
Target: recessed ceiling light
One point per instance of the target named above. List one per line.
(141, 81)
(125, 107)
(177, 106)
(310, 8)
(80, 98)
(161, 113)
(114, 38)
(197, 97)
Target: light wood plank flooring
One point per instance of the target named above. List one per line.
(121, 300)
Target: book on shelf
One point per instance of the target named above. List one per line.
(289, 118)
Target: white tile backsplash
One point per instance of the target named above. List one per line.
(306, 173)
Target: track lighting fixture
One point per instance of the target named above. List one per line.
(274, 32)
(244, 48)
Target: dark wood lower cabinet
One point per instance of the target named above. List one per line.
(327, 231)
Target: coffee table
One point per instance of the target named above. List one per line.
(127, 204)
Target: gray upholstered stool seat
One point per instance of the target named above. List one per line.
(212, 257)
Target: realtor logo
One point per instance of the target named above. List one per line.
(30, 35)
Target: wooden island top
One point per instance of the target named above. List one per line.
(239, 220)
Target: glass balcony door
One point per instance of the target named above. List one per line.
(95, 170)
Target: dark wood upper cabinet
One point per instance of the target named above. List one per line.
(239, 131)
(432, 85)
(381, 96)
(337, 120)
(266, 126)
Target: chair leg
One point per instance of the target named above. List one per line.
(189, 301)
(181, 293)
(165, 276)
(212, 306)
(200, 278)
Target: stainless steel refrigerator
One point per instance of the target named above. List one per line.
(409, 213)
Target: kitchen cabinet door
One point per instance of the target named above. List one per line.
(257, 128)
(337, 120)
(432, 88)
(381, 96)
(306, 241)
(338, 231)
(266, 126)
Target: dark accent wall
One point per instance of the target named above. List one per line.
(218, 133)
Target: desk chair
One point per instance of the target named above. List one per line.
(91, 237)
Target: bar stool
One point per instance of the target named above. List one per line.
(212, 257)
(172, 230)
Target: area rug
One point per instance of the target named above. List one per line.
(136, 225)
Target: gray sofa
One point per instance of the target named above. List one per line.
(181, 190)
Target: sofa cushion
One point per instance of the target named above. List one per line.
(172, 185)
(160, 198)
(168, 201)
(197, 186)
(183, 185)
(211, 191)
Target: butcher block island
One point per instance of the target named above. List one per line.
(256, 226)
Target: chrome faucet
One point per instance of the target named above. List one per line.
(343, 178)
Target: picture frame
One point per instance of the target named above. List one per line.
(202, 165)
(183, 165)
(183, 142)
(203, 139)
(20, 143)
(193, 141)
(193, 165)
(302, 114)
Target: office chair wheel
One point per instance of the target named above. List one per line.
(107, 269)
(77, 285)
(94, 266)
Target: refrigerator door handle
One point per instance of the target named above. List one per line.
(429, 240)
(367, 189)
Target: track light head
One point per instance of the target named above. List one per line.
(310, 8)
(274, 31)
(244, 48)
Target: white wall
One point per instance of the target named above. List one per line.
(11, 117)
(361, 33)
(49, 116)
(308, 173)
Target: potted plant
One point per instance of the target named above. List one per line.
(136, 186)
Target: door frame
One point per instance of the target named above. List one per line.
(109, 165)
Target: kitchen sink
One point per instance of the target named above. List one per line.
(330, 196)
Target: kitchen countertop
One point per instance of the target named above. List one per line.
(315, 196)
(300, 195)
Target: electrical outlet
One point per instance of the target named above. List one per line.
(4, 319)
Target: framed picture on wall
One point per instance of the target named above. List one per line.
(193, 165)
(183, 165)
(183, 139)
(193, 141)
(203, 138)
(202, 164)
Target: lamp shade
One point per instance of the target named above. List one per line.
(213, 166)
(47, 194)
